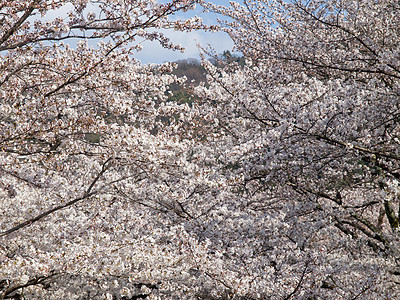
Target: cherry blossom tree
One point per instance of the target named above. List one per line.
(279, 181)
(90, 170)
(308, 129)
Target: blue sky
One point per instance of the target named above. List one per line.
(153, 53)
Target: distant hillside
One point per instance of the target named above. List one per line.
(192, 69)
(195, 73)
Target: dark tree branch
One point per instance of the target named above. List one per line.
(11, 292)
(21, 20)
(299, 283)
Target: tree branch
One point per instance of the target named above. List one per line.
(88, 193)
(298, 284)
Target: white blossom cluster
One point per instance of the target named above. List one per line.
(279, 181)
